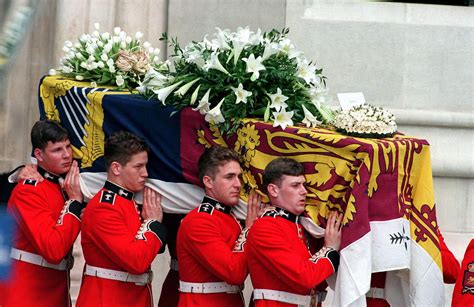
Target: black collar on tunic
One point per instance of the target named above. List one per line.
(48, 175)
(109, 185)
(288, 215)
(217, 205)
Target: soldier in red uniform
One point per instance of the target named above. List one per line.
(48, 222)
(282, 270)
(119, 245)
(210, 243)
(463, 295)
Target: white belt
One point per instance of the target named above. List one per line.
(376, 293)
(174, 265)
(141, 280)
(281, 296)
(24, 256)
(207, 287)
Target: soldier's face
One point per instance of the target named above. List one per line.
(225, 186)
(134, 174)
(55, 157)
(289, 194)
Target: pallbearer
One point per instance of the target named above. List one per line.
(119, 243)
(282, 270)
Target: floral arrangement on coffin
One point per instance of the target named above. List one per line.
(365, 121)
(114, 59)
(242, 74)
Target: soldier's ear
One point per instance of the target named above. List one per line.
(272, 190)
(38, 153)
(116, 168)
(207, 180)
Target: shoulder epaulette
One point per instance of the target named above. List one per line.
(270, 212)
(33, 182)
(206, 208)
(108, 197)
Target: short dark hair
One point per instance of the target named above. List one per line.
(45, 131)
(275, 170)
(121, 146)
(214, 157)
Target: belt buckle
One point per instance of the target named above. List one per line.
(149, 279)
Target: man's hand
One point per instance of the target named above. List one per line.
(332, 235)
(253, 208)
(29, 171)
(152, 205)
(71, 183)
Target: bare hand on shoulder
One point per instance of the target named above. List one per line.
(253, 208)
(152, 205)
(71, 183)
(332, 235)
(29, 171)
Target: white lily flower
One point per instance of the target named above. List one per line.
(254, 65)
(104, 57)
(278, 100)
(123, 45)
(52, 72)
(309, 119)
(163, 93)
(270, 49)
(116, 39)
(220, 42)
(204, 105)
(286, 46)
(146, 45)
(100, 64)
(283, 119)
(110, 62)
(66, 49)
(306, 71)
(117, 30)
(94, 84)
(112, 69)
(96, 34)
(128, 39)
(243, 34)
(215, 64)
(79, 78)
(68, 44)
(266, 114)
(237, 50)
(294, 54)
(214, 116)
(194, 95)
(256, 38)
(241, 94)
(96, 25)
(185, 88)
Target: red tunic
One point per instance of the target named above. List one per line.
(463, 295)
(279, 260)
(205, 246)
(43, 230)
(111, 239)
